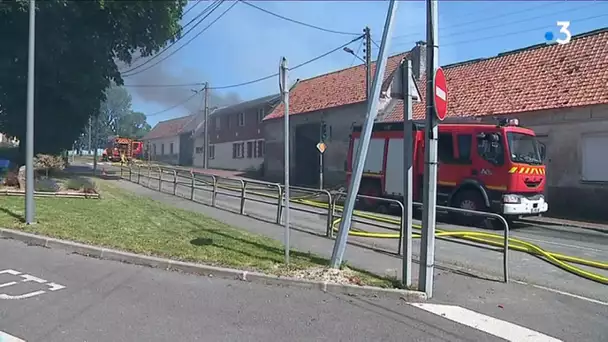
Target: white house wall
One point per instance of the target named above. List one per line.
(223, 158)
(166, 156)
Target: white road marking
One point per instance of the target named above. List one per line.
(591, 300)
(440, 93)
(490, 325)
(11, 272)
(25, 279)
(4, 337)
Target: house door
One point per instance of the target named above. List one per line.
(306, 168)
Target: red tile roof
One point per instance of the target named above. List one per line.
(168, 128)
(536, 78)
(339, 88)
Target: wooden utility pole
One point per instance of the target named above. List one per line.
(368, 61)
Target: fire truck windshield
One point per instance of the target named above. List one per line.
(524, 148)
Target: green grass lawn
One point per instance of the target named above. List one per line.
(136, 224)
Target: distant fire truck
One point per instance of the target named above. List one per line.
(493, 168)
(122, 149)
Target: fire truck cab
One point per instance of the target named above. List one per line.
(484, 167)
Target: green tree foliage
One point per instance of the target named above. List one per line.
(77, 46)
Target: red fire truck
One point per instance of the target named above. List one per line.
(494, 168)
(122, 149)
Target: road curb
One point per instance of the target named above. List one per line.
(205, 270)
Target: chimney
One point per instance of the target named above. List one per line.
(418, 58)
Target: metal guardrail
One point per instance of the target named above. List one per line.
(245, 189)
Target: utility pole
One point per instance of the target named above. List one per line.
(366, 134)
(95, 141)
(408, 129)
(206, 128)
(285, 92)
(429, 201)
(30, 206)
(368, 61)
(90, 133)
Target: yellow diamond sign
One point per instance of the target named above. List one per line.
(321, 147)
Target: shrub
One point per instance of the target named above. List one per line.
(46, 185)
(47, 163)
(81, 184)
(11, 178)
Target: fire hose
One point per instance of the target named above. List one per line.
(559, 260)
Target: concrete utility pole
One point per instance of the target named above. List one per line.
(366, 134)
(206, 128)
(427, 250)
(90, 133)
(368, 61)
(284, 88)
(406, 75)
(30, 206)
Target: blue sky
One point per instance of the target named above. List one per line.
(247, 44)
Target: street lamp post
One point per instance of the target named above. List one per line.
(29, 135)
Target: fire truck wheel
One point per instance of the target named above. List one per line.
(370, 188)
(470, 200)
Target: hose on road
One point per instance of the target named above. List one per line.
(557, 259)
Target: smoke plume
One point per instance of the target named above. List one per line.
(170, 96)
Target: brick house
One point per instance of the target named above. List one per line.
(560, 91)
(236, 140)
(166, 140)
(338, 101)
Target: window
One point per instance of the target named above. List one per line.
(199, 150)
(491, 148)
(228, 121)
(211, 151)
(162, 149)
(154, 147)
(250, 149)
(593, 168)
(445, 148)
(259, 150)
(524, 148)
(261, 115)
(171, 148)
(237, 150)
(465, 144)
(241, 119)
(218, 123)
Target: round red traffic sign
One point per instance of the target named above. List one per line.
(441, 95)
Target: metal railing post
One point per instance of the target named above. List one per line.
(243, 192)
(330, 216)
(401, 228)
(121, 172)
(333, 214)
(138, 174)
(160, 179)
(214, 191)
(279, 204)
(505, 258)
(174, 182)
(192, 184)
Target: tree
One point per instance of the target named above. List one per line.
(134, 125)
(77, 46)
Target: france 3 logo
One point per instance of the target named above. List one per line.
(565, 32)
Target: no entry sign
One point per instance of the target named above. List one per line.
(441, 95)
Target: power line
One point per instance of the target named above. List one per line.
(175, 105)
(501, 25)
(492, 18)
(175, 36)
(208, 9)
(292, 68)
(188, 42)
(163, 85)
(522, 31)
(297, 21)
(256, 80)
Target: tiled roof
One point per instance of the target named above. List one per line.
(536, 78)
(339, 88)
(168, 128)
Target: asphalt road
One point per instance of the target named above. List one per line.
(108, 301)
(584, 243)
(86, 299)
